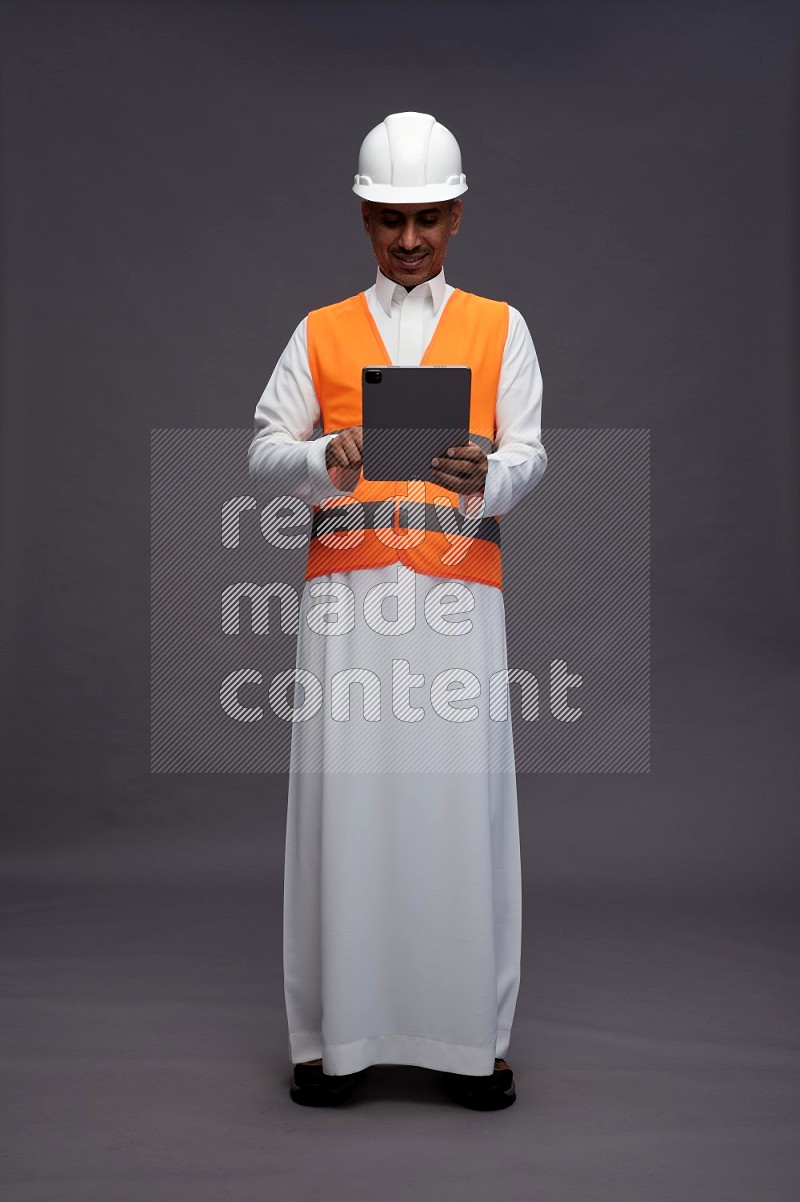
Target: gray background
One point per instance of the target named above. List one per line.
(175, 196)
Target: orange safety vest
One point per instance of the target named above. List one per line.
(365, 529)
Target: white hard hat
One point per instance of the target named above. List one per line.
(409, 158)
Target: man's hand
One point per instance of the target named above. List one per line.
(462, 469)
(343, 456)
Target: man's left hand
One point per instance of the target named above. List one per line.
(462, 469)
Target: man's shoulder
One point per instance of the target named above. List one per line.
(474, 298)
(471, 310)
(484, 306)
(340, 308)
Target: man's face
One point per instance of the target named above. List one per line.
(410, 241)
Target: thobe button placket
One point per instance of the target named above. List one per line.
(411, 309)
(411, 326)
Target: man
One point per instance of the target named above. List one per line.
(402, 893)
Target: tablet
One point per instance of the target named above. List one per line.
(410, 415)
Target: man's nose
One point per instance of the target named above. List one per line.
(409, 237)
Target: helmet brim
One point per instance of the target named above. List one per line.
(387, 194)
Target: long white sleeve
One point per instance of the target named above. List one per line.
(285, 456)
(520, 459)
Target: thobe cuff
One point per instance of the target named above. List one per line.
(321, 484)
(492, 490)
(496, 487)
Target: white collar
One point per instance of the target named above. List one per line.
(386, 288)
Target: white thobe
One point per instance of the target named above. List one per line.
(402, 886)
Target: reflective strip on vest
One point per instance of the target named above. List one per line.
(339, 519)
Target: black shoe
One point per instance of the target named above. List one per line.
(493, 1092)
(312, 1087)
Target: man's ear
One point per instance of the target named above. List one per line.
(455, 216)
(365, 215)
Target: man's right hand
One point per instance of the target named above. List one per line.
(343, 458)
